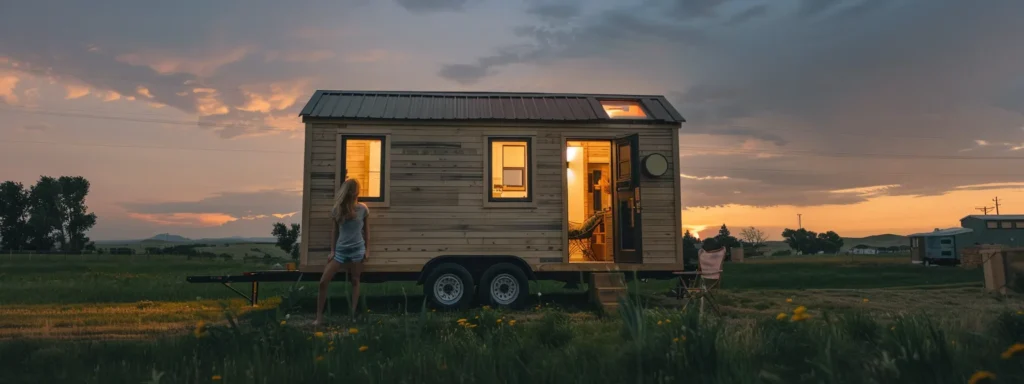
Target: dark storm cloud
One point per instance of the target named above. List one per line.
(553, 11)
(910, 77)
(587, 40)
(425, 6)
(748, 14)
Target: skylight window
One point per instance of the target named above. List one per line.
(620, 109)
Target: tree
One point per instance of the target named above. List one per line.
(44, 214)
(808, 242)
(726, 239)
(14, 229)
(75, 221)
(830, 242)
(755, 237)
(689, 248)
(286, 238)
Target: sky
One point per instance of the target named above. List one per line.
(863, 116)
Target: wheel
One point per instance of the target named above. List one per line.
(504, 284)
(449, 286)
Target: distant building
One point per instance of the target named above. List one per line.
(941, 246)
(996, 229)
(863, 250)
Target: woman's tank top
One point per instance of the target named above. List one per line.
(350, 231)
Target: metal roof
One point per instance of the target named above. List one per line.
(492, 106)
(943, 232)
(995, 217)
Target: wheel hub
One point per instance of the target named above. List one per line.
(448, 289)
(504, 289)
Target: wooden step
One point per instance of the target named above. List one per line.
(608, 295)
(608, 279)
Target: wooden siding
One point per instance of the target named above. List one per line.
(434, 180)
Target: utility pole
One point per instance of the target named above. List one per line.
(997, 204)
(799, 221)
(984, 209)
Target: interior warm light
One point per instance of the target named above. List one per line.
(571, 153)
(619, 109)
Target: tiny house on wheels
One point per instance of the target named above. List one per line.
(474, 194)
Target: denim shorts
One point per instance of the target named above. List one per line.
(349, 254)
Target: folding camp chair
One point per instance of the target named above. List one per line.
(703, 281)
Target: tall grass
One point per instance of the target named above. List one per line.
(639, 346)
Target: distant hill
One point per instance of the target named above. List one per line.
(167, 238)
(887, 240)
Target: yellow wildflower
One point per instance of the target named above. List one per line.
(470, 325)
(487, 307)
(781, 316)
(865, 300)
(476, 317)
(659, 322)
(800, 316)
(667, 321)
(364, 348)
(319, 358)
(1020, 312)
(462, 321)
(789, 299)
(283, 323)
(675, 339)
(1018, 347)
(353, 331)
(215, 378)
(682, 338)
(319, 335)
(498, 321)
(512, 322)
(799, 310)
(977, 377)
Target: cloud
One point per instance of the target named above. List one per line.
(220, 208)
(748, 14)
(231, 46)
(767, 101)
(554, 11)
(36, 127)
(425, 6)
(8, 83)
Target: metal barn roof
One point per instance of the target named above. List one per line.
(995, 217)
(943, 232)
(492, 106)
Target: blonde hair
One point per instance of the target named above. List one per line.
(345, 200)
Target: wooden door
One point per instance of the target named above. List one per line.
(627, 213)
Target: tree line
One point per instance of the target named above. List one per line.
(50, 215)
(752, 240)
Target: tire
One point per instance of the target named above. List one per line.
(504, 285)
(449, 286)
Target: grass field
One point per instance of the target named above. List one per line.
(109, 319)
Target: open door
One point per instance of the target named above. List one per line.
(627, 212)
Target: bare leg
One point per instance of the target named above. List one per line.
(330, 270)
(355, 270)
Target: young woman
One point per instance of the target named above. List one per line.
(351, 235)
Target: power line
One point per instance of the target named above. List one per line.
(297, 153)
(142, 120)
(133, 146)
(856, 154)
